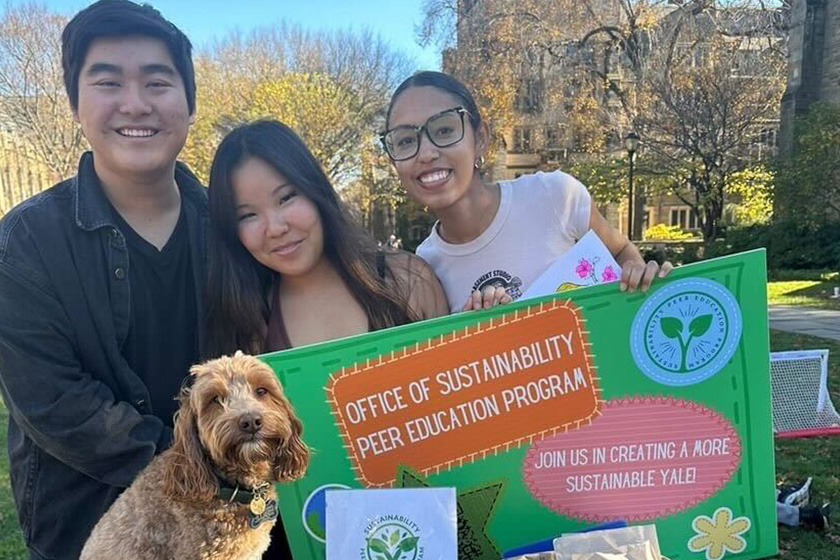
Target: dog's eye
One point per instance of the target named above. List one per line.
(261, 392)
(217, 400)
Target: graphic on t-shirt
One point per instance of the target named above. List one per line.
(511, 284)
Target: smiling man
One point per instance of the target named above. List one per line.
(100, 279)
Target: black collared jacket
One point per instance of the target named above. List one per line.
(80, 424)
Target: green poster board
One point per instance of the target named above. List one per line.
(555, 414)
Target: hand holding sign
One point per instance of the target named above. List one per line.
(560, 412)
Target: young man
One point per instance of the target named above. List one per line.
(100, 279)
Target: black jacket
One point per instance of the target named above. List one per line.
(80, 424)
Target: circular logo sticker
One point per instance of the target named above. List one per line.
(686, 332)
(392, 537)
(314, 513)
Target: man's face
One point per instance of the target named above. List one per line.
(132, 107)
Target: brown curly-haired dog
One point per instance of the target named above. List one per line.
(208, 497)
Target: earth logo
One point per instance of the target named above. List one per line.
(686, 332)
(315, 511)
(392, 537)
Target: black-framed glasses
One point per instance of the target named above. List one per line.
(443, 129)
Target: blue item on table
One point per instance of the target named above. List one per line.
(546, 545)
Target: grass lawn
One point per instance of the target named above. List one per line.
(11, 541)
(804, 289)
(796, 459)
(806, 293)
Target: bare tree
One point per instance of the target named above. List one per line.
(611, 40)
(332, 87)
(610, 66)
(33, 103)
(705, 113)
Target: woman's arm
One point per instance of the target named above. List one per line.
(635, 272)
(425, 296)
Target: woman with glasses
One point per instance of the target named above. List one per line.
(491, 240)
(288, 266)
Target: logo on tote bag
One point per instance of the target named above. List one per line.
(686, 332)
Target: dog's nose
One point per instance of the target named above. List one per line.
(250, 423)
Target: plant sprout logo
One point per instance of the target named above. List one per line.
(674, 328)
(686, 332)
(392, 537)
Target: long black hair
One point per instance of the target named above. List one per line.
(238, 286)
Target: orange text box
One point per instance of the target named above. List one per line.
(459, 397)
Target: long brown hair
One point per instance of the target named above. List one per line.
(237, 308)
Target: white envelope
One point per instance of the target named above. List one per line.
(588, 263)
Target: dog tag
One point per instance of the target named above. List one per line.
(270, 514)
(257, 505)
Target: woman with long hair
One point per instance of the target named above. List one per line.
(492, 239)
(288, 266)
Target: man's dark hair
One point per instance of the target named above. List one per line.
(121, 18)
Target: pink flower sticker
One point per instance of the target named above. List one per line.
(608, 274)
(584, 268)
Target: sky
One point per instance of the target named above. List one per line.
(202, 20)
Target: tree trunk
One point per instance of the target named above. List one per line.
(639, 213)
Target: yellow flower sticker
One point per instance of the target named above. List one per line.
(719, 535)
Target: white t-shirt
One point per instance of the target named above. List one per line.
(540, 217)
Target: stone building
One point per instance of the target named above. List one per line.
(541, 138)
(814, 61)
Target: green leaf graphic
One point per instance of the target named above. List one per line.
(395, 538)
(378, 545)
(700, 325)
(671, 327)
(409, 544)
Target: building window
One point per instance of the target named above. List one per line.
(521, 139)
(700, 57)
(530, 96)
(765, 143)
(418, 233)
(684, 218)
(748, 64)
(694, 55)
(552, 138)
(769, 137)
(614, 141)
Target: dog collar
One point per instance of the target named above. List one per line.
(261, 508)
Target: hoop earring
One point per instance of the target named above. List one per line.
(479, 163)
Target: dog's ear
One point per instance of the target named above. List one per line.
(188, 473)
(293, 457)
(200, 369)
